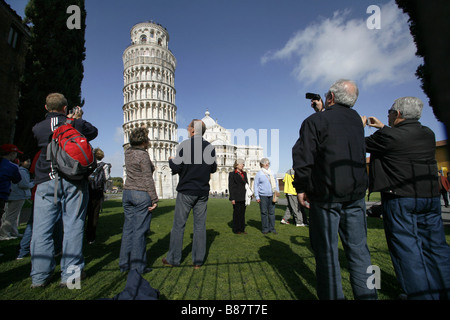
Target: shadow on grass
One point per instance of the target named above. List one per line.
(297, 276)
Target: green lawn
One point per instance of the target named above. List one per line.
(237, 267)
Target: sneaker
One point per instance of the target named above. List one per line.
(40, 285)
(284, 221)
(300, 225)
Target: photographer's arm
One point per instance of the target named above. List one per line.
(372, 122)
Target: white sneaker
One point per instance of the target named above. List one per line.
(301, 225)
(284, 221)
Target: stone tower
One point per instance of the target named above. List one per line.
(149, 98)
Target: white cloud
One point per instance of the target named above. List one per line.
(339, 47)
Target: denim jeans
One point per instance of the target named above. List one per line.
(183, 207)
(25, 243)
(348, 220)
(419, 251)
(71, 204)
(133, 254)
(267, 208)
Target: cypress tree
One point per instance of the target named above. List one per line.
(54, 62)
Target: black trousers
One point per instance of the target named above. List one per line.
(239, 216)
(94, 206)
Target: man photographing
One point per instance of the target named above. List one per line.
(331, 179)
(404, 170)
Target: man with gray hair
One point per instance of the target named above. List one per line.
(329, 160)
(194, 163)
(404, 170)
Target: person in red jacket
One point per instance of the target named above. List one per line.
(444, 186)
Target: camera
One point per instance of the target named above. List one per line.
(71, 110)
(313, 96)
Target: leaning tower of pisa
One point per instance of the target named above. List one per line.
(149, 98)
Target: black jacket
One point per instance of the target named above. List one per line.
(329, 158)
(402, 160)
(194, 163)
(236, 186)
(43, 132)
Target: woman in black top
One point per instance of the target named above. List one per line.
(237, 180)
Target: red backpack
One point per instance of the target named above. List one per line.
(70, 153)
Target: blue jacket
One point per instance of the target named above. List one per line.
(262, 185)
(9, 172)
(43, 132)
(329, 158)
(194, 163)
(22, 190)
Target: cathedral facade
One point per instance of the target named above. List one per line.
(227, 151)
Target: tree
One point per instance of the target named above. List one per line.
(117, 182)
(54, 63)
(429, 25)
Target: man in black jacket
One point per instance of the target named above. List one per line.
(71, 204)
(403, 168)
(194, 163)
(331, 179)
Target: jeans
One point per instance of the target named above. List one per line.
(419, 251)
(25, 243)
(183, 206)
(267, 208)
(348, 220)
(70, 205)
(136, 226)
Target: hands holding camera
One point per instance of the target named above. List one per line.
(75, 113)
(372, 122)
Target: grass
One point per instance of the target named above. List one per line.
(237, 267)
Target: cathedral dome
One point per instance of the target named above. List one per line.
(209, 122)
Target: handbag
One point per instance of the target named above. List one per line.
(275, 197)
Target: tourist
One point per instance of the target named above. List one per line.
(139, 200)
(69, 202)
(194, 163)
(20, 192)
(404, 170)
(266, 194)
(293, 209)
(331, 180)
(444, 185)
(97, 182)
(238, 187)
(9, 173)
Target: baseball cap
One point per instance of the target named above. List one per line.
(10, 148)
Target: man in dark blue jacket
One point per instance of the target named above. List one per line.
(331, 179)
(71, 204)
(404, 170)
(194, 163)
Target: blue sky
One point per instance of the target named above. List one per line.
(250, 62)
